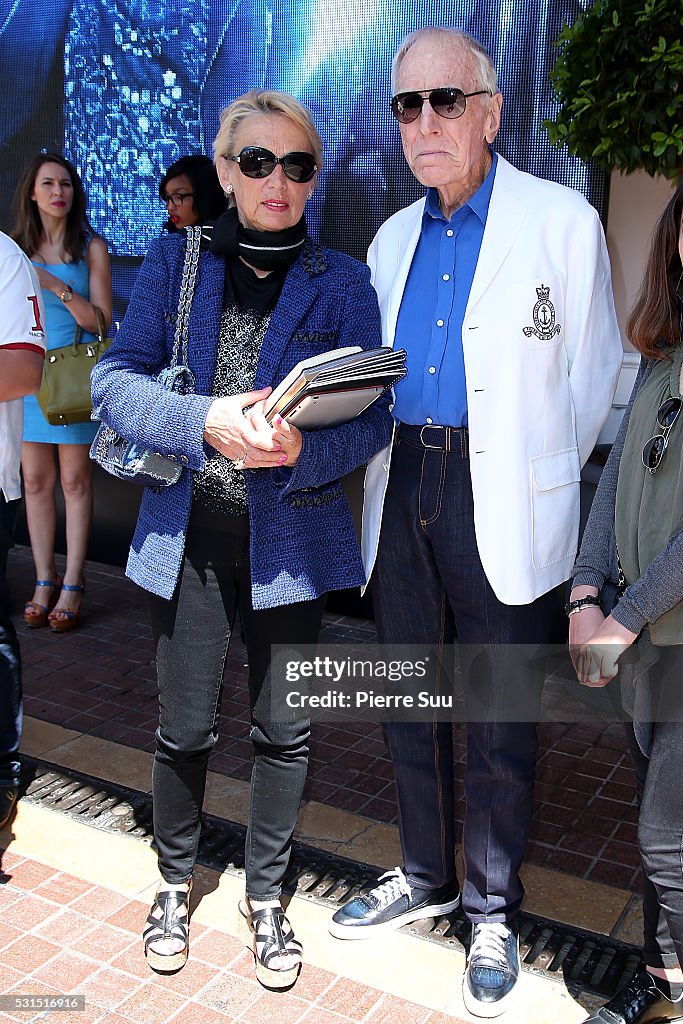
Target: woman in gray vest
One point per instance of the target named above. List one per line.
(635, 535)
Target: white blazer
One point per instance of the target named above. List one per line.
(542, 356)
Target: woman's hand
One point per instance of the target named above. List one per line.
(285, 434)
(241, 436)
(99, 284)
(596, 663)
(290, 439)
(584, 623)
(49, 282)
(582, 626)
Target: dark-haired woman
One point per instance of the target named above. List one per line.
(191, 192)
(636, 523)
(72, 264)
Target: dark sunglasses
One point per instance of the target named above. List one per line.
(653, 450)
(406, 106)
(256, 162)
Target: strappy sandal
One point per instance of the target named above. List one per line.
(36, 614)
(268, 934)
(62, 620)
(172, 924)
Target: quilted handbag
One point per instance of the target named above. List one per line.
(128, 460)
(64, 395)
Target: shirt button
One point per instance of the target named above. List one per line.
(446, 277)
(450, 232)
(429, 419)
(439, 323)
(432, 369)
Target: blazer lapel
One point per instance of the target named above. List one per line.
(298, 294)
(205, 320)
(406, 243)
(507, 212)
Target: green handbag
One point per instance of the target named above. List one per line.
(64, 395)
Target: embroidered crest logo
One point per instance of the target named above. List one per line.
(543, 313)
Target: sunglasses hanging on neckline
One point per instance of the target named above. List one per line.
(654, 449)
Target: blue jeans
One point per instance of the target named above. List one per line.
(10, 660)
(430, 588)
(192, 633)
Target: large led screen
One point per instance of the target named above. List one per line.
(124, 88)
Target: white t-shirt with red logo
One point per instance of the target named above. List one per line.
(22, 326)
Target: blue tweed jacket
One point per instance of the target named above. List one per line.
(302, 538)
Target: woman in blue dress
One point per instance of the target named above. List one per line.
(72, 264)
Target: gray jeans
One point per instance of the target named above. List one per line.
(192, 633)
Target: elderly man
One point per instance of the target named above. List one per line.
(22, 349)
(498, 285)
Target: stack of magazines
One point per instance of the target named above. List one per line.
(336, 386)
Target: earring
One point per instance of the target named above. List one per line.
(227, 191)
(310, 194)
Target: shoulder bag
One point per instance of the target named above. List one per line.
(126, 459)
(64, 395)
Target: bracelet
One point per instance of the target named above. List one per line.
(572, 607)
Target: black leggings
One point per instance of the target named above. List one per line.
(191, 634)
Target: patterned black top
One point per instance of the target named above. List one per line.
(248, 304)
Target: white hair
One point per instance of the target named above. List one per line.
(483, 63)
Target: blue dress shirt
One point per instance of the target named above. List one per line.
(430, 319)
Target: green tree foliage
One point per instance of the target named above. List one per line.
(619, 83)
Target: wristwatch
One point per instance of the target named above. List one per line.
(67, 295)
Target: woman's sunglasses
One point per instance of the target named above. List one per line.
(653, 450)
(256, 162)
(451, 103)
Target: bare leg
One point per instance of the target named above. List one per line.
(40, 476)
(75, 473)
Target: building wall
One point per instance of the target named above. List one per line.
(635, 202)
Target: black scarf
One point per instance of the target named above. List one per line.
(265, 250)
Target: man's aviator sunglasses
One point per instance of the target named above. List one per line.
(407, 106)
(256, 162)
(654, 449)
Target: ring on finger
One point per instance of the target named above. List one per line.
(239, 463)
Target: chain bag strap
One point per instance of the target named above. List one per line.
(126, 459)
(610, 592)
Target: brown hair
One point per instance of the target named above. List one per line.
(28, 227)
(655, 320)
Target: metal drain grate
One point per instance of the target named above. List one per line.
(582, 960)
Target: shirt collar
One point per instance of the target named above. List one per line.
(478, 203)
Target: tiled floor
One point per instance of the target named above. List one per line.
(60, 934)
(100, 680)
(73, 900)
(66, 926)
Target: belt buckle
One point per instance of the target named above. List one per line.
(430, 426)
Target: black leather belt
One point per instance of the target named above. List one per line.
(432, 435)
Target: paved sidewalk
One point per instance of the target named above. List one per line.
(61, 935)
(100, 680)
(73, 901)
